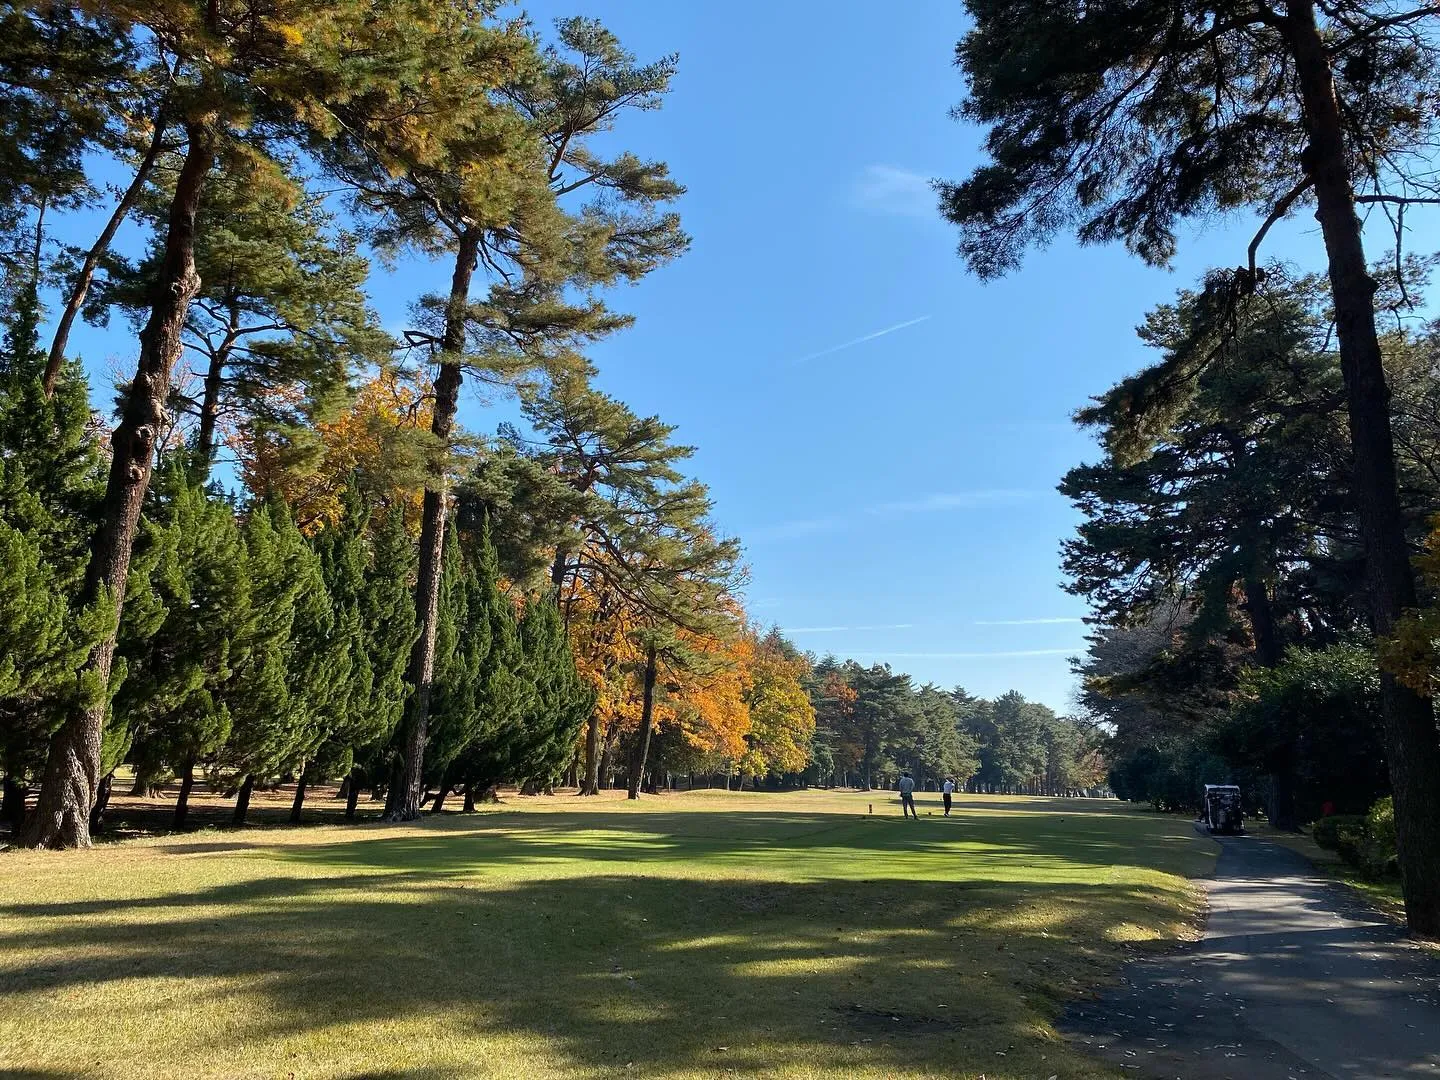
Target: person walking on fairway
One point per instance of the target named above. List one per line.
(946, 790)
(907, 796)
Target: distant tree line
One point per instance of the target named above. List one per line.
(871, 723)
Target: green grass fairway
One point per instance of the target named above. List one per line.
(698, 935)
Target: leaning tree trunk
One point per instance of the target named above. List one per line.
(242, 800)
(72, 769)
(647, 715)
(1412, 748)
(210, 398)
(102, 802)
(298, 806)
(406, 804)
(81, 285)
(182, 803)
(352, 797)
(591, 786)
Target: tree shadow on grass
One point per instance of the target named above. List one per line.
(593, 973)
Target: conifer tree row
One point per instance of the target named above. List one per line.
(292, 629)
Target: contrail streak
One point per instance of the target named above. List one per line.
(1025, 622)
(861, 340)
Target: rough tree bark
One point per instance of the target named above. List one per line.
(80, 287)
(591, 784)
(298, 805)
(210, 398)
(102, 802)
(72, 771)
(1412, 747)
(352, 797)
(182, 802)
(647, 715)
(406, 804)
(242, 800)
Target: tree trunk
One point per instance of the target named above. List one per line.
(12, 804)
(393, 787)
(299, 804)
(607, 759)
(210, 397)
(102, 802)
(1280, 808)
(647, 715)
(469, 799)
(432, 534)
(242, 800)
(440, 797)
(1412, 746)
(81, 285)
(352, 797)
(72, 769)
(182, 804)
(144, 785)
(1268, 647)
(591, 784)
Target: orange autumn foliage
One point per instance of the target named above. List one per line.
(380, 436)
(711, 706)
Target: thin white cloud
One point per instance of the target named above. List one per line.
(862, 339)
(1015, 654)
(889, 189)
(951, 500)
(1026, 622)
(939, 502)
(838, 629)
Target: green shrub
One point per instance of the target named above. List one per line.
(1367, 844)
(1381, 852)
(1326, 831)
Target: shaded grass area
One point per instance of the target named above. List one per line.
(792, 936)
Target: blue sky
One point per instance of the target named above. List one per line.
(883, 431)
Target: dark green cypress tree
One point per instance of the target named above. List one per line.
(483, 692)
(38, 657)
(50, 471)
(371, 575)
(175, 694)
(342, 553)
(291, 662)
(316, 660)
(463, 634)
(560, 702)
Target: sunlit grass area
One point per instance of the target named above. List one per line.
(696, 935)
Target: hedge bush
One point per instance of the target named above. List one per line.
(1327, 831)
(1366, 843)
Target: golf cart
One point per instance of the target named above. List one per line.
(1221, 812)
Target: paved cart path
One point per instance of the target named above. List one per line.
(1294, 978)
